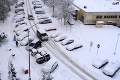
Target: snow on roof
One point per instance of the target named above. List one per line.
(98, 5)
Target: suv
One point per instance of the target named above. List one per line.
(30, 17)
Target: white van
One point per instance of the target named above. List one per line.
(50, 66)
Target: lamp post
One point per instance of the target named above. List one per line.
(116, 43)
(29, 48)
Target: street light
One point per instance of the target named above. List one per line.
(116, 43)
(29, 47)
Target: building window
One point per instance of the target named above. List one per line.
(97, 17)
(110, 16)
(105, 16)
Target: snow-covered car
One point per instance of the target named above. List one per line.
(34, 44)
(111, 68)
(22, 36)
(42, 17)
(50, 29)
(19, 20)
(43, 53)
(67, 41)
(33, 52)
(45, 21)
(60, 38)
(21, 23)
(24, 42)
(36, 2)
(55, 34)
(39, 11)
(99, 63)
(19, 32)
(20, 13)
(50, 66)
(37, 6)
(21, 28)
(73, 46)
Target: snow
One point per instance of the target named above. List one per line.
(98, 5)
(106, 36)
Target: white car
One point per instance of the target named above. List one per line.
(111, 68)
(19, 32)
(22, 27)
(99, 63)
(73, 46)
(42, 17)
(60, 38)
(24, 42)
(39, 11)
(55, 34)
(67, 41)
(22, 36)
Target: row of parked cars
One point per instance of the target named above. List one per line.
(66, 41)
(108, 68)
(40, 12)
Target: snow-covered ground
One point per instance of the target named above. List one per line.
(84, 34)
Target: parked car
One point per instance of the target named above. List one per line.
(37, 6)
(42, 17)
(21, 23)
(73, 46)
(20, 13)
(40, 60)
(45, 21)
(34, 44)
(30, 17)
(19, 20)
(50, 66)
(55, 34)
(22, 27)
(36, 2)
(22, 36)
(25, 41)
(34, 52)
(60, 38)
(39, 11)
(17, 10)
(67, 41)
(111, 68)
(19, 5)
(99, 63)
(50, 29)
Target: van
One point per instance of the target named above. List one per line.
(42, 35)
(50, 66)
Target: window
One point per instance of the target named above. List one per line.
(98, 17)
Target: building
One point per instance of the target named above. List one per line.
(90, 11)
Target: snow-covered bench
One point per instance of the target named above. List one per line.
(111, 68)
(100, 62)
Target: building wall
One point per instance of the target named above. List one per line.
(92, 17)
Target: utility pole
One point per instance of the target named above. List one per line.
(116, 43)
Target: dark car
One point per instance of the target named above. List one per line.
(40, 60)
(37, 6)
(34, 44)
(30, 17)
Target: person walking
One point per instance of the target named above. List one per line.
(17, 43)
